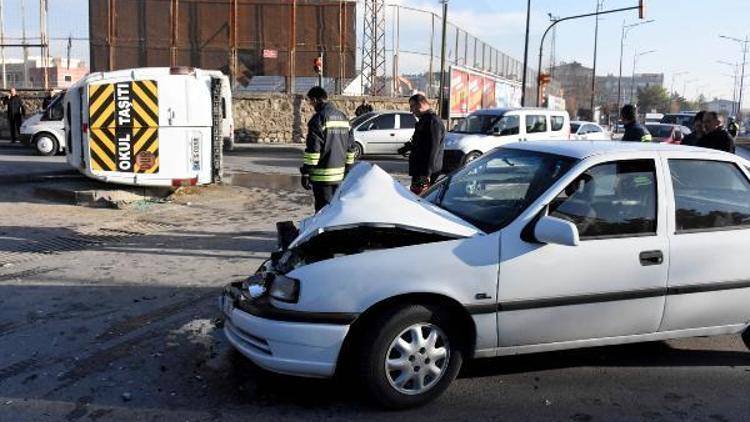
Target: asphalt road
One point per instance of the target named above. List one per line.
(124, 327)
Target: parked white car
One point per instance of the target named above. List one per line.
(588, 131)
(486, 129)
(382, 132)
(45, 130)
(534, 247)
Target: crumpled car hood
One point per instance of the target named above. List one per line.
(371, 197)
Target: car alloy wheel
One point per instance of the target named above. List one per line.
(45, 145)
(417, 359)
(357, 151)
(407, 356)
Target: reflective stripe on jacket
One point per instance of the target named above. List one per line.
(329, 146)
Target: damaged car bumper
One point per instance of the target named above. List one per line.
(288, 342)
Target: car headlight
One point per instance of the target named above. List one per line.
(284, 288)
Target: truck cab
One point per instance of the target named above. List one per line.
(149, 126)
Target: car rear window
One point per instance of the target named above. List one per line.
(660, 131)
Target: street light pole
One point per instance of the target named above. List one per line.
(599, 5)
(623, 35)
(567, 18)
(734, 67)
(526, 56)
(743, 43)
(674, 76)
(635, 60)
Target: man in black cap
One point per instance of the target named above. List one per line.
(634, 131)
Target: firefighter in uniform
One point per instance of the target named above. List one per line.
(634, 131)
(328, 153)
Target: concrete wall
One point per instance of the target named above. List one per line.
(258, 118)
(280, 118)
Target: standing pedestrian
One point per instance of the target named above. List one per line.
(733, 128)
(426, 146)
(634, 131)
(363, 108)
(329, 148)
(47, 100)
(16, 113)
(716, 136)
(698, 132)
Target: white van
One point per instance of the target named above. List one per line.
(150, 126)
(486, 129)
(45, 130)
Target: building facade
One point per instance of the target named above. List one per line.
(60, 73)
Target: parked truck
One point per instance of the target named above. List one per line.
(150, 126)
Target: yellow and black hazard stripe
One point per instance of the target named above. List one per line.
(124, 127)
(145, 104)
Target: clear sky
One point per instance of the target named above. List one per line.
(685, 34)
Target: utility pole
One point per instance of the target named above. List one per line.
(44, 40)
(599, 5)
(441, 94)
(25, 49)
(526, 55)
(70, 47)
(743, 44)
(2, 44)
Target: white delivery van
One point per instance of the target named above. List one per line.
(486, 129)
(150, 126)
(45, 130)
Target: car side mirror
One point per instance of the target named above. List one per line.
(556, 231)
(677, 135)
(496, 130)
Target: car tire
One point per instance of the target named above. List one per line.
(409, 357)
(470, 157)
(358, 150)
(46, 144)
(746, 337)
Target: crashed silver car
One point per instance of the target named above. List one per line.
(532, 247)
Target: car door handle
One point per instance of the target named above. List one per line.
(651, 258)
(393, 134)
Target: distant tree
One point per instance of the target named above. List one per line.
(653, 98)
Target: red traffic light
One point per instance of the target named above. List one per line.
(318, 65)
(642, 9)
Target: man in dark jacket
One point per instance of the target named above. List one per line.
(329, 149)
(426, 146)
(47, 100)
(733, 127)
(694, 137)
(716, 136)
(16, 113)
(634, 132)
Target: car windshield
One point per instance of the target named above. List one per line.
(477, 123)
(493, 190)
(660, 131)
(359, 119)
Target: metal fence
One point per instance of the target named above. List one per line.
(414, 45)
(264, 45)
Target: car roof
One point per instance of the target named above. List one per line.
(496, 111)
(584, 149)
(583, 122)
